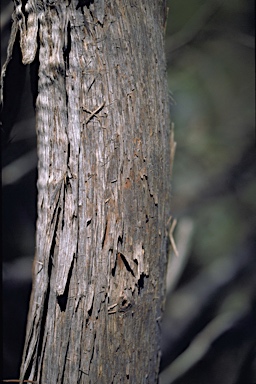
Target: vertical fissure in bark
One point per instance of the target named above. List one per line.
(63, 299)
(126, 263)
(141, 282)
(90, 308)
(42, 335)
(113, 270)
(67, 47)
(105, 234)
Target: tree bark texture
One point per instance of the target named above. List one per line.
(103, 190)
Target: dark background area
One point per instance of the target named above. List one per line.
(209, 326)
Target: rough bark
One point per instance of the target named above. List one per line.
(103, 190)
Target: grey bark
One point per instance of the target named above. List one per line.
(103, 190)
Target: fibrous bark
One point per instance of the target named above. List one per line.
(103, 190)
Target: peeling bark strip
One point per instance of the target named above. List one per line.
(103, 190)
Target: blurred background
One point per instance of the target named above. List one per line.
(209, 326)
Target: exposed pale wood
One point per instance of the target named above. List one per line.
(103, 191)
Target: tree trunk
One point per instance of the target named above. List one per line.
(103, 190)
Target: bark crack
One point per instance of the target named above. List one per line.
(126, 263)
(67, 46)
(63, 299)
(141, 282)
(105, 234)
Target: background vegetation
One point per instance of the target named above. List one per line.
(208, 330)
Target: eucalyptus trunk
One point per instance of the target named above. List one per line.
(103, 189)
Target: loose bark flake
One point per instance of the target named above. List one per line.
(103, 190)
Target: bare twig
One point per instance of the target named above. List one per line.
(173, 225)
(176, 265)
(92, 114)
